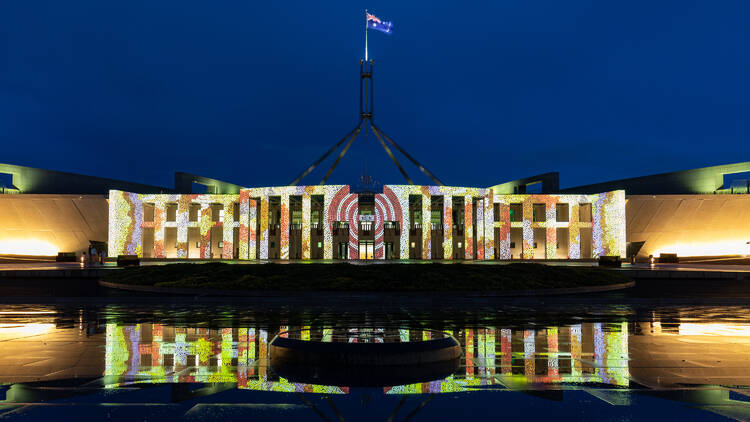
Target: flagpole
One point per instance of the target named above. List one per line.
(365, 35)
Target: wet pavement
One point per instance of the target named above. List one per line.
(530, 359)
(8, 265)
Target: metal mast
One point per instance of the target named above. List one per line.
(366, 107)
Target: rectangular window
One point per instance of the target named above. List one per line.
(516, 213)
(561, 213)
(171, 212)
(496, 211)
(413, 245)
(584, 213)
(512, 245)
(217, 211)
(436, 217)
(148, 212)
(297, 217)
(193, 212)
(320, 244)
(460, 244)
(539, 213)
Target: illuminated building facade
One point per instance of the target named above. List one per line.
(402, 222)
(699, 212)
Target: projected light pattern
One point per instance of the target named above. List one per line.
(489, 363)
(588, 353)
(126, 223)
(607, 223)
(256, 207)
(345, 208)
(263, 195)
(387, 208)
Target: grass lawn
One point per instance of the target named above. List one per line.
(380, 277)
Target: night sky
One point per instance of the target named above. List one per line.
(481, 92)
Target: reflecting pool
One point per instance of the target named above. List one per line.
(519, 360)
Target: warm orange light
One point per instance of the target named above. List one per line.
(714, 329)
(27, 247)
(724, 247)
(12, 331)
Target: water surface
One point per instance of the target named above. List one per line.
(527, 359)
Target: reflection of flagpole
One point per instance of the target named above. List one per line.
(365, 34)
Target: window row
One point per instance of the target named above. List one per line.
(217, 212)
(539, 213)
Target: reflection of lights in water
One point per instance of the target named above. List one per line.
(714, 329)
(27, 312)
(159, 354)
(25, 330)
(27, 247)
(725, 247)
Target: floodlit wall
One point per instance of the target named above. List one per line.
(47, 224)
(607, 224)
(127, 222)
(689, 225)
(250, 227)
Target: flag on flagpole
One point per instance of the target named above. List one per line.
(373, 22)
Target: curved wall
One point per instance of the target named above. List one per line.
(47, 224)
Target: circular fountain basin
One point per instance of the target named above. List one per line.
(364, 358)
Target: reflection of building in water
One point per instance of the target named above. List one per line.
(573, 354)
(155, 353)
(671, 351)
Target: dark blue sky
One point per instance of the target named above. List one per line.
(481, 92)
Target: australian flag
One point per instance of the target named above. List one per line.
(373, 22)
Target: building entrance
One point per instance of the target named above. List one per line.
(388, 250)
(366, 249)
(343, 251)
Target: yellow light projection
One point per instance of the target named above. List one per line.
(723, 247)
(34, 247)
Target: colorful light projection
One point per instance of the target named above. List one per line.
(607, 223)
(402, 194)
(387, 208)
(156, 353)
(520, 354)
(261, 238)
(126, 223)
(344, 207)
